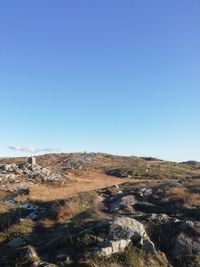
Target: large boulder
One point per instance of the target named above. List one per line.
(127, 228)
(121, 232)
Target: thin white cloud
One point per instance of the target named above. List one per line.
(32, 149)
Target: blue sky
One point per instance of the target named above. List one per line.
(121, 77)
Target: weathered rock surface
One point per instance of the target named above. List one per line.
(160, 218)
(14, 177)
(186, 245)
(122, 203)
(121, 172)
(114, 246)
(145, 214)
(122, 231)
(79, 160)
(127, 228)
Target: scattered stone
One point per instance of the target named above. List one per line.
(168, 185)
(122, 203)
(158, 218)
(121, 172)
(8, 167)
(10, 202)
(23, 176)
(79, 160)
(35, 211)
(145, 192)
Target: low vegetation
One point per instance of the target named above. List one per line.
(64, 222)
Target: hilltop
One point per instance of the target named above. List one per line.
(97, 209)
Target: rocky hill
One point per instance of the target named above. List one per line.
(94, 209)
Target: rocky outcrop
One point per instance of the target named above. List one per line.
(186, 245)
(14, 177)
(127, 228)
(121, 172)
(187, 242)
(108, 248)
(123, 203)
(79, 160)
(122, 231)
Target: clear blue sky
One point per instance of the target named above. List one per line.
(115, 76)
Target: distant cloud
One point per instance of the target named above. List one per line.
(32, 149)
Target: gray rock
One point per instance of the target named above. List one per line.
(122, 231)
(123, 202)
(186, 245)
(161, 218)
(10, 176)
(112, 247)
(78, 161)
(127, 228)
(145, 192)
(23, 176)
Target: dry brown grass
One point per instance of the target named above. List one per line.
(68, 211)
(85, 181)
(3, 194)
(77, 204)
(182, 194)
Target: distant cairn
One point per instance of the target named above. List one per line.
(32, 161)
